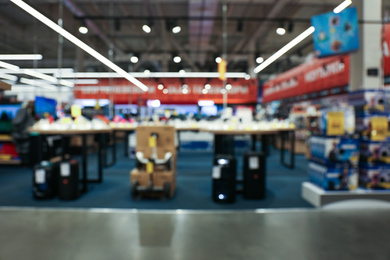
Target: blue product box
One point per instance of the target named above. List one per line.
(334, 151)
(374, 176)
(348, 120)
(374, 152)
(371, 100)
(333, 178)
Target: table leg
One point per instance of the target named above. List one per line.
(264, 144)
(223, 144)
(114, 147)
(101, 149)
(291, 135)
(254, 138)
(127, 143)
(84, 163)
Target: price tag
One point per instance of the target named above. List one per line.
(152, 141)
(65, 169)
(149, 167)
(335, 123)
(216, 172)
(253, 163)
(40, 176)
(379, 126)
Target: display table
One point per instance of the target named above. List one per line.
(224, 141)
(65, 134)
(319, 197)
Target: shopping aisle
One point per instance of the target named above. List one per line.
(193, 186)
(48, 234)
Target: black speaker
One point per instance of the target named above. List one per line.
(254, 175)
(224, 178)
(68, 184)
(45, 180)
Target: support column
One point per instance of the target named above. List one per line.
(369, 57)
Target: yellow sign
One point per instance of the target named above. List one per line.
(335, 123)
(222, 69)
(152, 141)
(149, 167)
(75, 110)
(379, 126)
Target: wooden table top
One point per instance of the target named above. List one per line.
(69, 132)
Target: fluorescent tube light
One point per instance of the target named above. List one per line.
(9, 66)
(20, 57)
(283, 50)
(47, 77)
(155, 75)
(79, 43)
(9, 77)
(342, 6)
(36, 83)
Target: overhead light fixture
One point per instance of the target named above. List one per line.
(79, 43)
(160, 86)
(284, 49)
(280, 30)
(165, 91)
(185, 91)
(134, 59)
(182, 72)
(205, 91)
(21, 57)
(147, 28)
(218, 59)
(228, 86)
(207, 86)
(342, 6)
(83, 29)
(35, 74)
(147, 72)
(176, 59)
(36, 83)
(8, 77)
(259, 60)
(9, 66)
(154, 74)
(247, 77)
(176, 29)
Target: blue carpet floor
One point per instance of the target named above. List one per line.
(193, 186)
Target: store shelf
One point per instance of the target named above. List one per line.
(10, 162)
(319, 197)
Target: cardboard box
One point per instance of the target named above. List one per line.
(152, 183)
(334, 151)
(374, 176)
(330, 178)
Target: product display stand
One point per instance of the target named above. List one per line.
(319, 197)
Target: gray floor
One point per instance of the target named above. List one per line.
(28, 233)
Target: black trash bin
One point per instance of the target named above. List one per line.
(254, 173)
(224, 178)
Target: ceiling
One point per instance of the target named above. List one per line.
(115, 31)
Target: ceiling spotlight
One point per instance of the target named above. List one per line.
(281, 31)
(247, 77)
(147, 72)
(223, 91)
(146, 28)
(134, 59)
(218, 59)
(228, 86)
(177, 59)
(83, 29)
(165, 91)
(204, 91)
(182, 72)
(259, 60)
(160, 86)
(185, 91)
(185, 86)
(207, 86)
(176, 29)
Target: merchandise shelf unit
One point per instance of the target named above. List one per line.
(6, 138)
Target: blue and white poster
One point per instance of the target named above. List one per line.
(336, 33)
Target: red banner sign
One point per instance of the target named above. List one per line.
(319, 74)
(122, 91)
